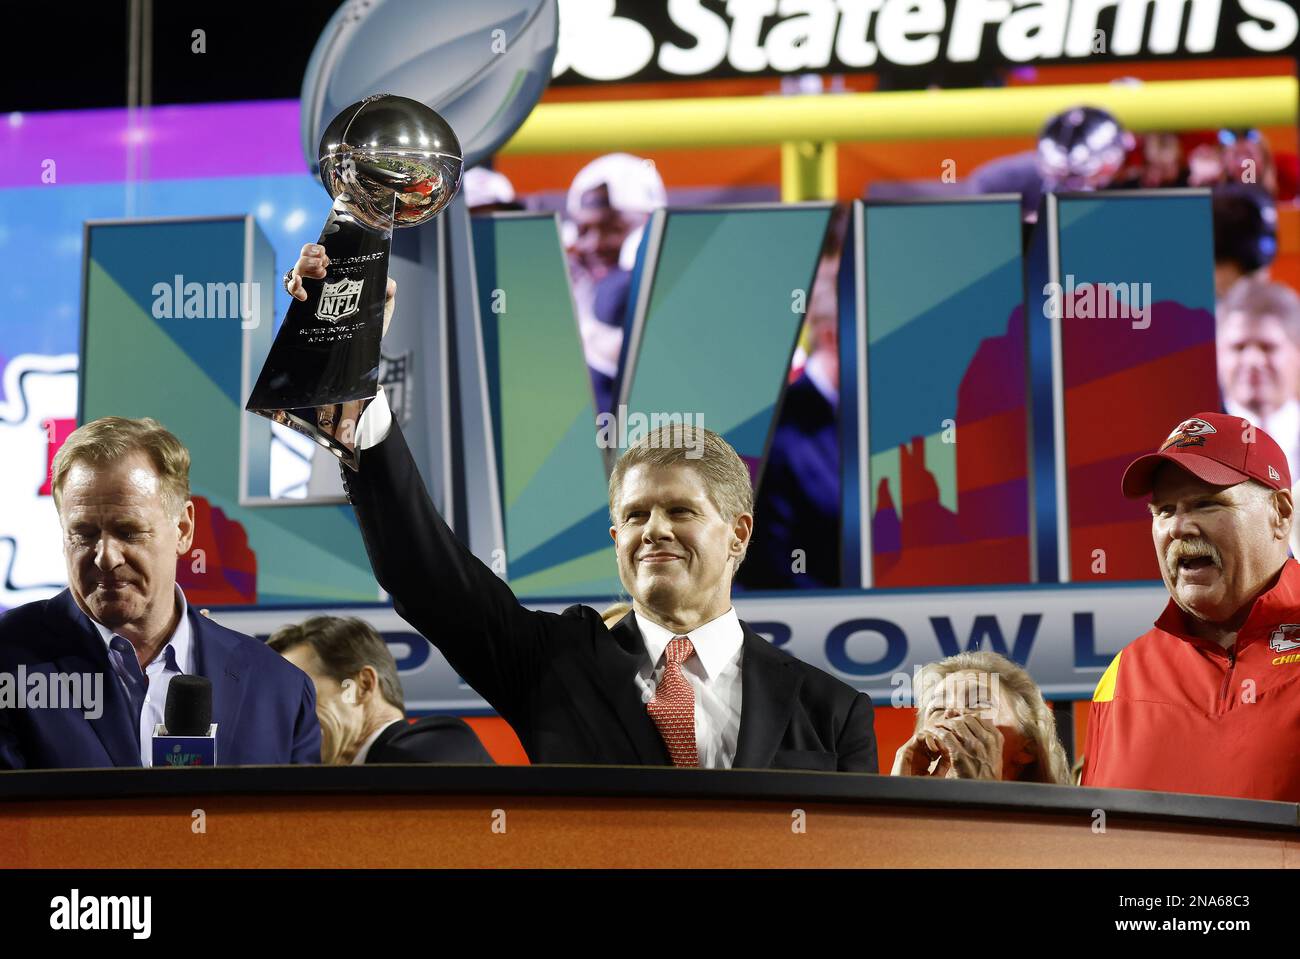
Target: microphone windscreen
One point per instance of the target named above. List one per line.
(189, 706)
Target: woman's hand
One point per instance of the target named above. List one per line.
(953, 747)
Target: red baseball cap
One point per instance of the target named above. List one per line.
(1220, 449)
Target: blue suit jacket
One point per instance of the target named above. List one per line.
(264, 706)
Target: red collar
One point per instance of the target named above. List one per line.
(1269, 609)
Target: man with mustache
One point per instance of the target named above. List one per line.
(1208, 701)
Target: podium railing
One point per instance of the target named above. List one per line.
(466, 817)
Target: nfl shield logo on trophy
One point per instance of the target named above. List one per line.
(339, 300)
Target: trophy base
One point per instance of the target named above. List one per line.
(333, 427)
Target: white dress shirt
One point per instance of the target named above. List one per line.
(174, 659)
(375, 422)
(820, 377)
(714, 675)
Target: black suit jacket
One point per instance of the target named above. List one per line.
(433, 739)
(565, 682)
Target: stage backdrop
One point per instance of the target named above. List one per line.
(291, 559)
(167, 304)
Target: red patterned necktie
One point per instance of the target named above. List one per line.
(673, 705)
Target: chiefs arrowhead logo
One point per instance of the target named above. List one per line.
(1188, 433)
(1285, 638)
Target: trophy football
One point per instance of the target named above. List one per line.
(388, 162)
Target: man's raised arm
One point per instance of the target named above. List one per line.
(437, 585)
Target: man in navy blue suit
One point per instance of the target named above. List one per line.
(88, 670)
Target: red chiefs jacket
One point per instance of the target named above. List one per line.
(1176, 713)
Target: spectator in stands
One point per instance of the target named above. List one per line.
(980, 716)
(1245, 236)
(1239, 156)
(1162, 162)
(1082, 148)
(606, 211)
(487, 191)
(359, 698)
(1258, 341)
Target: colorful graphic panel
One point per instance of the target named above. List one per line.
(1137, 354)
(948, 394)
(161, 340)
(728, 296)
(551, 473)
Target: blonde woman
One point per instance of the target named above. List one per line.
(980, 716)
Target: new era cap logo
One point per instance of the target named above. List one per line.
(1272, 474)
(1190, 432)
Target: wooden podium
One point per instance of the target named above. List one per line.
(470, 817)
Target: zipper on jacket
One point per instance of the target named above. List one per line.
(1227, 678)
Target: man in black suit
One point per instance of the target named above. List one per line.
(679, 680)
(359, 698)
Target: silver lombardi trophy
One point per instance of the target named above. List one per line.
(387, 161)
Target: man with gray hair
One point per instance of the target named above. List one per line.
(679, 680)
(1207, 701)
(122, 491)
(1258, 347)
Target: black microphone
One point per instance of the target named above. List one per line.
(189, 706)
(187, 736)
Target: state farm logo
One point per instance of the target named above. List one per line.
(693, 38)
(339, 300)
